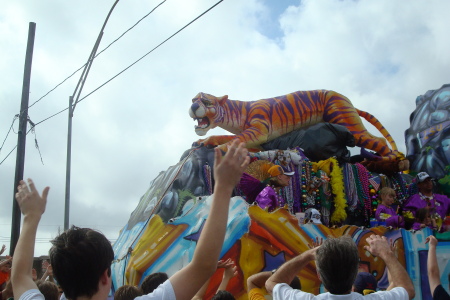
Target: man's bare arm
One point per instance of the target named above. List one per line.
(379, 246)
(227, 172)
(432, 265)
(287, 272)
(32, 206)
(258, 280)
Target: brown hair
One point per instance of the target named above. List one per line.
(127, 292)
(48, 289)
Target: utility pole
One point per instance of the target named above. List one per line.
(72, 106)
(68, 163)
(21, 136)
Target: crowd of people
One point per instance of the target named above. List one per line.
(424, 209)
(81, 257)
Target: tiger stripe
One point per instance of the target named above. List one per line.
(260, 121)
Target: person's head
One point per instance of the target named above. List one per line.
(364, 281)
(424, 182)
(152, 281)
(337, 264)
(127, 292)
(81, 260)
(387, 196)
(48, 289)
(223, 295)
(280, 176)
(423, 216)
(6, 268)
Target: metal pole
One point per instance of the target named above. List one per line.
(69, 158)
(21, 136)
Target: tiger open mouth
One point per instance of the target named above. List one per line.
(202, 123)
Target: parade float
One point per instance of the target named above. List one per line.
(307, 132)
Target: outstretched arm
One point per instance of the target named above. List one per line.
(379, 246)
(229, 272)
(433, 268)
(32, 206)
(3, 249)
(287, 272)
(227, 172)
(258, 280)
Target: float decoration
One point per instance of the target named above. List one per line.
(428, 138)
(261, 121)
(163, 230)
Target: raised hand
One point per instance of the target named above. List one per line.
(315, 243)
(431, 240)
(29, 200)
(224, 263)
(378, 245)
(45, 264)
(229, 168)
(230, 270)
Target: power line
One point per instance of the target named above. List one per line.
(142, 57)
(10, 127)
(126, 31)
(129, 29)
(151, 51)
(102, 85)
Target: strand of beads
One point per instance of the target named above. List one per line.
(309, 186)
(350, 188)
(400, 188)
(296, 189)
(207, 176)
(364, 179)
(373, 198)
(303, 185)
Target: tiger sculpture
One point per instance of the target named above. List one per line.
(258, 122)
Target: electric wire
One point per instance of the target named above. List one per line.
(142, 57)
(103, 50)
(118, 74)
(133, 62)
(10, 127)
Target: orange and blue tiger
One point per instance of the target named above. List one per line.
(260, 121)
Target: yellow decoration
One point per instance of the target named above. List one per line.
(408, 215)
(156, 239)
(331, 166)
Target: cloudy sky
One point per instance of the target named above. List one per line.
(381, 54)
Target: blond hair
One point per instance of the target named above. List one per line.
(387, 191)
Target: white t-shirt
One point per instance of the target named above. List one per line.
(33, 294)
(163, 291)
(284, 291)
